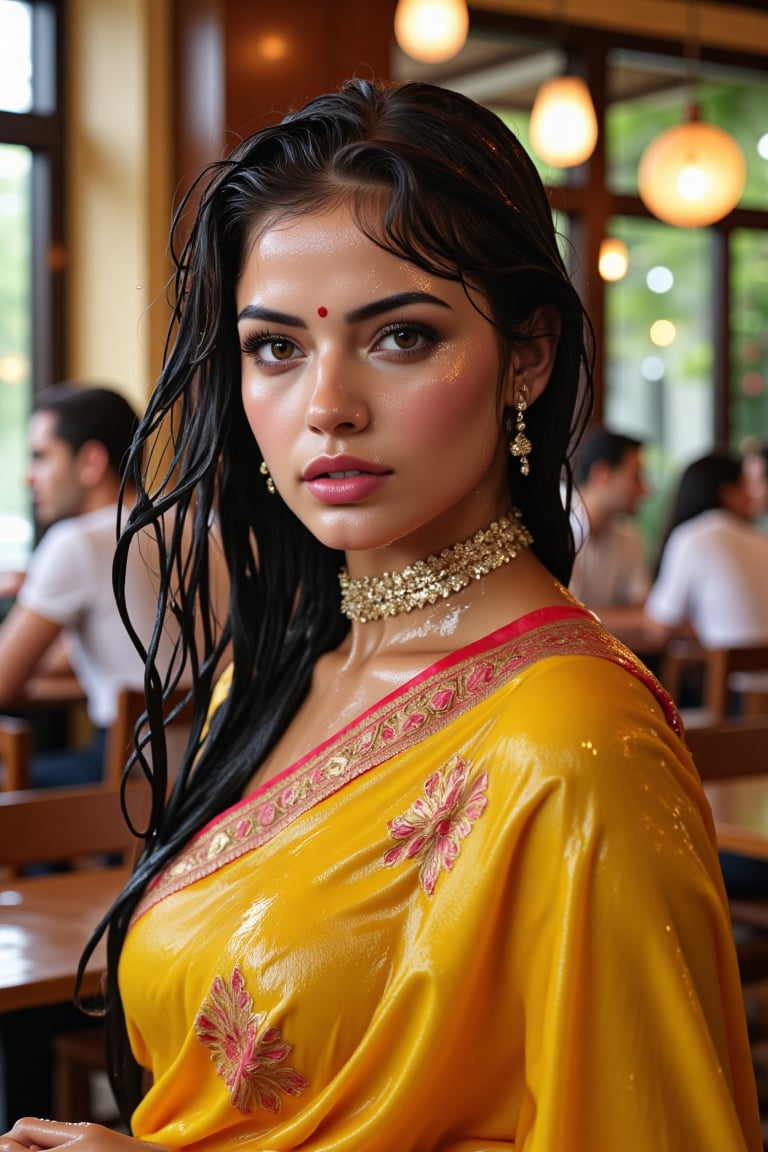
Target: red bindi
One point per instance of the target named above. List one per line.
(322, 310)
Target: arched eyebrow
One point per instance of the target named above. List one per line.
(365, 312)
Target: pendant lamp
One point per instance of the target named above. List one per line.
(694, 173)
(431, 30)
(563, 128)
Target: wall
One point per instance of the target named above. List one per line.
(119, 190)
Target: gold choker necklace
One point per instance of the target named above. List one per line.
(373, 597)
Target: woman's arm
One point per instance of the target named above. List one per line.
(30, 1133)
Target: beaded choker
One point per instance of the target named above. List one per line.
(374, 597)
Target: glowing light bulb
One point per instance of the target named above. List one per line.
(431, 30)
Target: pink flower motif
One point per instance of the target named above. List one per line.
(266, 814)
(441, 699)
(415, 720)
(388, 732)
(481, 676)
(289, 795)
(243, 829)
(246, 1057)
(435, 824)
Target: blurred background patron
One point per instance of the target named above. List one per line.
(712, 581)
(65, 617)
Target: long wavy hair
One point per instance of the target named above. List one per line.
(700, 489)
(437, 180)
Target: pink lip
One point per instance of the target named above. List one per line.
(324, 480)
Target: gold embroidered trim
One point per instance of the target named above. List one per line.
(392, 727)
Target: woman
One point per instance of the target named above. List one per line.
(710, 582)
(440, 875)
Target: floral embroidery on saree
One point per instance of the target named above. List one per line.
(248, 1057)
(432, 829)
(400, 721)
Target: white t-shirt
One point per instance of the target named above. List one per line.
(714, 575)
(70, 582)
(609, 569)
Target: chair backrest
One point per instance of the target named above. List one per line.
(43, 825)
(719, 665)
(730, 747)
(15, 752)
(130, 707)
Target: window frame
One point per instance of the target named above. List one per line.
(42, 131)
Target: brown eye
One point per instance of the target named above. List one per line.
(278, 350)
(406, 338)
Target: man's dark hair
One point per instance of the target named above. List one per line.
(86, 413)
(601, 445)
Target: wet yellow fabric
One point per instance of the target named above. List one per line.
(487, 916)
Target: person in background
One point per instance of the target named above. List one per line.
(711, 586)
(439, 873)
(65, 616)
(756, 481)
(711, 582)
(610, 574)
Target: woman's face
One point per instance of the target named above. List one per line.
(371, 387)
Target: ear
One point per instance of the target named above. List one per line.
(92, 463)
(532, 362)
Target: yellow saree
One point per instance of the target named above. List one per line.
(486, 915)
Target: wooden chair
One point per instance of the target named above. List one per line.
(73, 823)
(51, 825)
(70, 824)
(736, 747)
(720, 667)
(16, 739)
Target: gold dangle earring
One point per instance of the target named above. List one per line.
(270, 482)
(521, 446)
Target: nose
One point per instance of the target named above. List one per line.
(337, 403)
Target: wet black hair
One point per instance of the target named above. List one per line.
(438, 180)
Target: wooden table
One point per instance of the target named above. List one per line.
(740, 808)
(45, 922)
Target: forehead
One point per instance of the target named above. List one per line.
(43, 428)
(320, 236)
(327, 257)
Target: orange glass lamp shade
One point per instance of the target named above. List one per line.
(563, 126)
(431, 30)
(692, 174)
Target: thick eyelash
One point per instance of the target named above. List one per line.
(408, 326)
(251, 344)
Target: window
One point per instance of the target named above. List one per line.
(30, 235)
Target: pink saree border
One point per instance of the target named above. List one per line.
(409, 714)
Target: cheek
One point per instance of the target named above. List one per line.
(459, 405)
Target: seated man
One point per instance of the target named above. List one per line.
(610, 574)
(78, 438)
